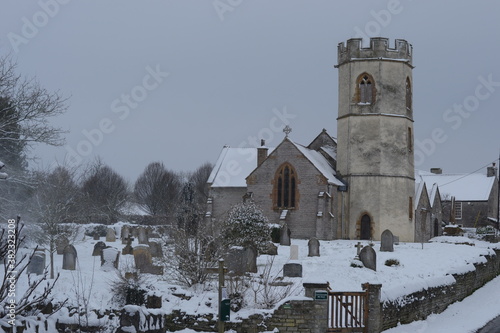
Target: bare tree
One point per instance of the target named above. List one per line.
(55, 201)
(199, 180)
(105, 193)
(157, 189)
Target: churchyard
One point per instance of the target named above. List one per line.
(92, 269)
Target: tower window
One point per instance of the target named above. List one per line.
(365, 89)
(286, 187)
(410, 140)
(408, 94)
(410, 208)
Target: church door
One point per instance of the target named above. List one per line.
(365, 227)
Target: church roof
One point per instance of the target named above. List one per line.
(464, 187)
(233, 166)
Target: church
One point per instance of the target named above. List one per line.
(354, 186)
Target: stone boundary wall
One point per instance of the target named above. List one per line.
(419, 305)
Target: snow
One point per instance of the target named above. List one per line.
(464, 187)
(419, 269)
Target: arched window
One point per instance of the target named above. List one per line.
(365, 89)
(408, 94)
(286, 187)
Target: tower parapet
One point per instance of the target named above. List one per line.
(379, 49)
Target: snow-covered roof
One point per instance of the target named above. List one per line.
(233, 166)
(320, 162)
(331, 151)
(419, 187)
(464, 187)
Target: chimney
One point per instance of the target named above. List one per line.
(436, 171)
(491, 171)
(261, 152)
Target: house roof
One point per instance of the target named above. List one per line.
(419, 188)
(464, 187)
(233, 166)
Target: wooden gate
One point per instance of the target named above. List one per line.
(347, 312)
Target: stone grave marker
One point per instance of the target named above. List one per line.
(358, 249)
(396, 240)
(69, 258)
(270, 249)
(313, 246)
(98, 247)
(110, 235)
(125, 234)
(156, 250)
(142, 256)
(294, 252)
(368, 257)
(292, 270)
(128, 249)
(37, 263)
(142, 234)
(251, 259)
(387, 241)
(110, 258)
(285, 235)
(61, 243)
(236, 260)
(96, 236)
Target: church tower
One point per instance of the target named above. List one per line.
(375, 139)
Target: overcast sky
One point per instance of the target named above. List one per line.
(174, 81)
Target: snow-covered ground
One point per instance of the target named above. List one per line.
(418, 269)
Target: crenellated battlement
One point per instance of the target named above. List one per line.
(379, 49)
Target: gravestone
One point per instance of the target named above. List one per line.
(125, 234)
(69, 258)
(396, 240)
(110, 258)
(368, 257)
(285, 235)
(96, 236)
(358, 249)
(61, 243)
(98, 247)
(236, 260)
(128, 249)
(142, 234)
(142, 256)
(153, 302)
(313, 246)
(387, 241)
(292, 270)
(294, 252)
(110, 235)
(37, 263)
(270, 249)
(251, 259)
(156, 250)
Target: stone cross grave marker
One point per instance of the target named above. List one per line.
(37, 263)
(387, 241)
(128, 249)
(110, 258)
(368, 257)
(294, 252)
(110, 235)
(358, 248)
(285, 235)
(313, 246)
(69, 258)
(98, 247)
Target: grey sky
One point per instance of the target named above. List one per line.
(233, 65)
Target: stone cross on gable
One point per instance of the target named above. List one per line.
(359, 247)
(287, 130)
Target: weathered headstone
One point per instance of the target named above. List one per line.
(128, 249)
(69, 258)
(142, 234)
(236, 260)
(110, 258)
(153, 302)
(110, 235)
(156, 250)
(98, 247)
(387, 241)
(125, 234)
(368, 257)
(142, 256)
(292, 270)
(396, 240)
(270, 249)
(96, 236)
(294, 252)
(285, 235)
(313, 246)
(37, 263)
(61, 243)
(251, 259)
